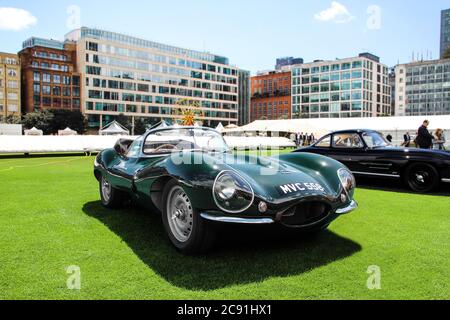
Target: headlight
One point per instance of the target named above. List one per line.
(348, 181)
(232, 193)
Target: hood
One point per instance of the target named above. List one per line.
(273, 179)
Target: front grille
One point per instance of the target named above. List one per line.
(305, 214)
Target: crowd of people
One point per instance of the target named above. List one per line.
(425, 139)
(304, 139)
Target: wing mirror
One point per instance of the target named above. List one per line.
(122, 146)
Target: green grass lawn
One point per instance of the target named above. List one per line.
(51, 218)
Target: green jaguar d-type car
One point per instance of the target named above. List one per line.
(190, 176)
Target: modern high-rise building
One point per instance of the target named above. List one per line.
(10, 101)
(244, 97)
(423, 88)
(49, 75)
(287, 61)
(271, 96)
(445, 31)
(352, 87)
(140, 78)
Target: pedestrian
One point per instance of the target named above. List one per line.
(389, 138)
(439, 140)
(406, 140)
(300, 140)
(424, 138)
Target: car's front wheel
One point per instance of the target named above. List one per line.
(187, 231)
(421, 177)
(110, 196)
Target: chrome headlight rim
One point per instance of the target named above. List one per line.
(222, 173)
(346, 188)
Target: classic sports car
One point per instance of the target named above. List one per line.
(368, 153)
(190, 177)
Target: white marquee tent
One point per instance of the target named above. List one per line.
(67, 132)
(34, 132)
(114, 129)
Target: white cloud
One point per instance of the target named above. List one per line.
(16, 19)
(337, 13)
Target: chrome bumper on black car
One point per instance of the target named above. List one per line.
(259, 221)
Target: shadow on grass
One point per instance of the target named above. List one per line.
(242, 255)
(396, 185)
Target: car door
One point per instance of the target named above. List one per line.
(349, 149)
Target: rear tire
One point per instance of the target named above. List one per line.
(110, 196)
(187, 231)
(421, 177)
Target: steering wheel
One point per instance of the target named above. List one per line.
(166, 147)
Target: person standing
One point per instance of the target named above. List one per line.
(439, 140)
(424, 138)
(407, 140)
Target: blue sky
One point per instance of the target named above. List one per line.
(252, 33)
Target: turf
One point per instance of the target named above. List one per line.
(51, 218)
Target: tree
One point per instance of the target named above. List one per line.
(124, 121)
(40, 119)
(10, 119)
(446, 53)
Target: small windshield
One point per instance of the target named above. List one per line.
(175, 140)
(375, 140)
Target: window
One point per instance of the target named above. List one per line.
(36, 88)
(13, 96)
(12, 73)
(13, 108)
(37, 76)
(56, 78)
(46, 90)
(12, 84)
(347, 140)
(46, 77)
(324, 143)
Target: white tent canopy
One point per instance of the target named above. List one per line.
(34, 132)
(114, 129)
(326, 125)
(67, 132)
(220, 128)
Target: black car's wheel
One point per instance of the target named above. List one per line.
(421, 177)
(111, 197)
(187, 231)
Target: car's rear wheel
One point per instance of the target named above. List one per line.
(422, 177)
(187, 231)
(110, 196)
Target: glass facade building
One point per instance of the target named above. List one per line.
(445, 31)
(423, 88)
(244, 97)
(353, 87)
(287, 61)
(144, 79)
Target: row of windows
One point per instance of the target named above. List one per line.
(56, 90)
(415, 71)
(56, 78)
(158, 58)
(11, 84)
(332, 77)
(10, 108)
(53, 66)
(54, 56)
(10, 96)
(55, 102)
(326, 97)
(131, 108)
(125, 74)
(10, 72)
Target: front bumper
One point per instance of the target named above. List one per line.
(266, 220)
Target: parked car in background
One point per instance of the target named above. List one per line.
(190, 177)
(367, 153)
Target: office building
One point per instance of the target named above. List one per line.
(140, 78)
(445, 31)
(351, 87)
(423, 88)
(10, 100)
(244, 97)
(49, 75)
(271, 96)
(287, 61)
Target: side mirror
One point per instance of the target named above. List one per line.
(122, 146)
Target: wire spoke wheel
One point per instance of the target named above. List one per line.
(180, 214)
(106, 189)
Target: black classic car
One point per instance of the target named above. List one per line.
(368, 153)
(190, 177)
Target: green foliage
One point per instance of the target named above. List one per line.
(51, 121)
(10, 119)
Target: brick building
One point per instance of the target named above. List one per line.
(49, 75)
(271, 96)
(9, 85)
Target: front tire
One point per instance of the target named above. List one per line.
(422, 177)
(186, 230)
(110, 196)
